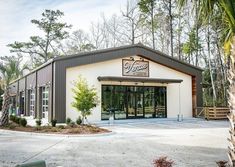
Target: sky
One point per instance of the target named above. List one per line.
(15, 16)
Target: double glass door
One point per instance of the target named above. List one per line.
(125, 102)
(135, 102)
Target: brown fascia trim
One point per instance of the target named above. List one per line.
(138, 79)
(141, 46)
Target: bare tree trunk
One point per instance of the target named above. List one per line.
(171, 26)
(6, 101)
(196, 9)
(179, 38)
(152, 24)
(209, 62)
(231, 102)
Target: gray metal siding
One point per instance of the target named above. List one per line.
(44, 75)
(22, 84)
(44, 78)
(59, 109)
(31, 81)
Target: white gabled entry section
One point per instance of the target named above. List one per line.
(114, 68)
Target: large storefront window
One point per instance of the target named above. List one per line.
(45, 101)
(113, 102)
(31, 103)
(133, 102)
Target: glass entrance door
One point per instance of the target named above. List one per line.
(126, 101)
(135, 98)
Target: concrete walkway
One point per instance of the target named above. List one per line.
(133, 143)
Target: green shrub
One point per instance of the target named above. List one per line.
(17, 120)
(38, 122)
(68, 121)
(79, 120)
(23, 122)
(72, 124)
(12, 118)
(61, 126)
(11, 126)
(53, 122)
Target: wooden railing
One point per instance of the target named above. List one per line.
(212, 113)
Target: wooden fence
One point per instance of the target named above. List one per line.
(212, 113)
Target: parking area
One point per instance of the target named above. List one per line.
(192, 142)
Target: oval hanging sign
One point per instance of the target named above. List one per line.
(138, 68)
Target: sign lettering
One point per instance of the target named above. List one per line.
(139, 68)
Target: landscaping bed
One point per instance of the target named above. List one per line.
(60, 129)
(20, 124)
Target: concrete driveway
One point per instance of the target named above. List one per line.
(135, 143)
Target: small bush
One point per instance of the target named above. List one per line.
(163, 162)
(68, 121)
(79, 120)
(23, 122)
(12, 118)
(17, 120)
(38, 122)
(222, 163)
(72, 124)
(61, 126)
(11, 126)
(53, 122)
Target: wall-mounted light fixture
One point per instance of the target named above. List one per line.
(132, 58)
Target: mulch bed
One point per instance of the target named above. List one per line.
(60, 129)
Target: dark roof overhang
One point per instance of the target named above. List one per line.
(137, 79)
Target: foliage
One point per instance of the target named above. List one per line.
(42, 48)
(85, 98)
(79, 120)
(12, 118)
(192, 45)
(38, 122)
(147, 9)
(222, 163)
(17, 120)
(146, 5)
(79, 42)
(68, 121)
(23, 122)
(53, 122)
(11, 68)
(61, 126)
(163, 162)
(72, 124)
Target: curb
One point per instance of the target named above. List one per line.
(4, 131)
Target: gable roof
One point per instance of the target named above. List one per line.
(62, 63)
(128, 48)
(121, 52)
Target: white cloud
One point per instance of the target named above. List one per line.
(15, 16)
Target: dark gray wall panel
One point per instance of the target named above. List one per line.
(44, 75)
(31, 81)
(21, 84)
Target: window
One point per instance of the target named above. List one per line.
(45, 101)
(32, 103)
(133, 102)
